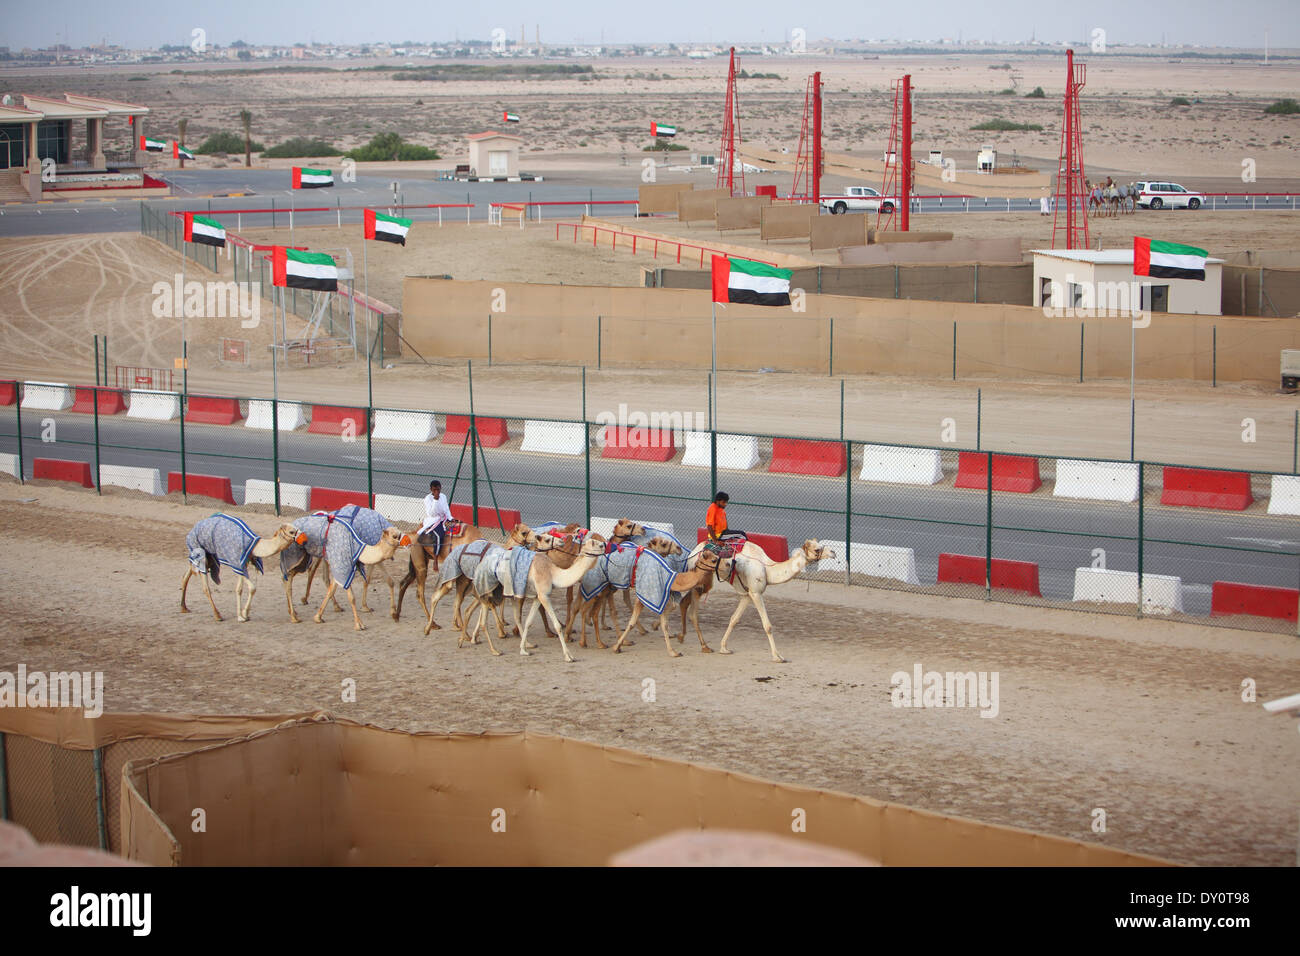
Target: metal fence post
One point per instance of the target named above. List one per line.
(99, 489)
(600, 322)
(586, 446)
(1214, 356)
(275, 441)
(1141, 528)
(99, 798)
(988, 532)
(954, 350)
(473, 444)
(184, 490)
(713, 443)
(979, 415)
(1080, 353)
(976, 297)
(848, 507)
(370, 460)
(1295, 443)
(830, 362)
(97, 360)
(489, 340)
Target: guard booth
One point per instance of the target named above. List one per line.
(494, 155)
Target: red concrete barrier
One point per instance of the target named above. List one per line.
(487, 517)
(1231, 597)
(796, 456)
(209, 486)
(333, 419)
(1198, 488)
(969, 569)
(206, 410)
(111, 401)
(56, 469)
(492, 432)
(8, 393)
(765, 191)
(1010, 472)
(637, 444)
(774, 546)
(332, 499)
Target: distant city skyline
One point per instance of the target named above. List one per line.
(155, 23)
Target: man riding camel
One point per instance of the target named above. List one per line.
(716, 519)
(437, 519)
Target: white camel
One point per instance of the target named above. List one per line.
(750, 578)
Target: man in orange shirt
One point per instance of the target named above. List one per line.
(716, 519)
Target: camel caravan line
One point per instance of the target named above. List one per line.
(651, 568)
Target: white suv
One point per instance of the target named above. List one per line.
(1159, 195)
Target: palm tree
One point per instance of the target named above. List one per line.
(182, 125)
(246, 118)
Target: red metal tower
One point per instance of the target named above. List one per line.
(730, 136)
(808, 162)
(897, 180)
(1071, 193)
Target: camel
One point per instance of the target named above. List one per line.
(368, 523)
(520, 536)
(368, 555)
(417, 571)
(590, 610)
(224, 539)
(751, 578)
(686, 587)
(542, 578)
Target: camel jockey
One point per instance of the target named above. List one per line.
(437, 516)
(716, 519)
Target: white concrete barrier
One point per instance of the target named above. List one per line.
(1096, 480)
(155, 405)
(874, 560)
(605, 526)
(405, 426)
(148, 480)
(9, 464)
(737, 452)
(1161, 593)
(1284, 496)
(258, 491)
(400, 508)
(901, 466)
(555, 438)
(47, 396)
(292, 415)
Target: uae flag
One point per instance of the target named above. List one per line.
(662, 129)
(152, 145)
(203, 230)
(386, 228)
(180, 152)
(510, 117)
(305, 178)
(743, 280)
(1167, 260)
(295, 269)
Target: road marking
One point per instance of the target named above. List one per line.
(1272, 542)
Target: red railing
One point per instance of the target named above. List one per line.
(653, 241)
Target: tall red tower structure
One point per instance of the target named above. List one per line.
(897, 180)
(808, 165)
(730, 136)
(1071, 194)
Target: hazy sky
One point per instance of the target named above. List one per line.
(152, 23)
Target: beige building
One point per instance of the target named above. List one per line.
(494, 155)
(1072, 282)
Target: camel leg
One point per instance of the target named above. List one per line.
(501, 630)
(329, 593)
(438, 595)
(668, 641)
(416, 572)
(251, 585)
(311, 576)
(767, 626)
(523, 628)
(544, 601)
(741, 607)
(627, 603)
(636, 612)
(462, 588)
(185, 583)
(288, 597)
(695, 619)
(466, 635)
(207, 590)
(355, 616)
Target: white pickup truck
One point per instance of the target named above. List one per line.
(858, 199)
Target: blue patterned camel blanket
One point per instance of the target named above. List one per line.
(484, 575)
(221, 539)
(351, 530)
(654, 576)
(463, 560)
(513, 571)
(297, 557)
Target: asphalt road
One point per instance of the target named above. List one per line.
(1059, 535)
(202, 191)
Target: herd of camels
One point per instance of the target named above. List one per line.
(535, 564)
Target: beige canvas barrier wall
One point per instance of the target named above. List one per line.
(903, 238)
(328, 792)
(741, 212)
(885, 251)
(785, 221)
(669, 328)
(832, 232)
(1251, 290)
(50, 763)
(699, 204)
(660, 197)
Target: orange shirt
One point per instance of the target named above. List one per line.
(716, 520)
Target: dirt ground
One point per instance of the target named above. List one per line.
(1143, 719)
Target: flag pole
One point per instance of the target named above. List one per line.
(713, 406)
(365, 271)
(185, 365)
(1132, 400)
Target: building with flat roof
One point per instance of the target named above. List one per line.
(1102, 280)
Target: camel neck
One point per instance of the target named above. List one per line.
(784, 571)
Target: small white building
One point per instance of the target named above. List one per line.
(494, 155)
(1101, 282)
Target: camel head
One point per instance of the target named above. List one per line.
(627, 528)
(522, 534)
(663, 546)
(593, 546)
(815, 551)
(288, 535)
